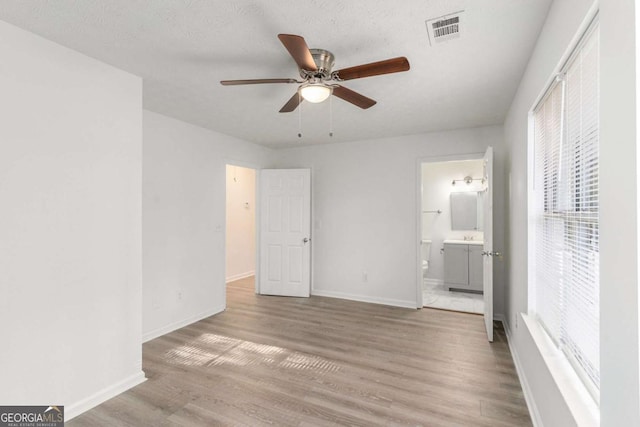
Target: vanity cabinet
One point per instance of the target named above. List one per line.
(463, 265)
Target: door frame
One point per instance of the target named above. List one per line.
(256, 167)
(418, 212)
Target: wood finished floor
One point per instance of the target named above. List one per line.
(319, 362)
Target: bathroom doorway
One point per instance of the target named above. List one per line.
(451, 239)
(240, 231)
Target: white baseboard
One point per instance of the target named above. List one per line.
(365, 298)
(148, 336)
(526, 389)
(240, 276)
(77, 408)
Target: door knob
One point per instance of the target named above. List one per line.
(306, 239)
(485, 253)
(495, 254)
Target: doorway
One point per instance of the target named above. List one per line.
(452, 236)
(240, 241)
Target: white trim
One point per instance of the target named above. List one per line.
(452, 157)
(419, 273)
(77, 408)
(365, 298)
(256, 227)
(578, 399)
(240, 276)
(536, 419)
(148, 336)
(241, 163)
(312, 226)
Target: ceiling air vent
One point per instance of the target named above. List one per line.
(444, 28)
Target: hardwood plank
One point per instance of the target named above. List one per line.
(322, 361)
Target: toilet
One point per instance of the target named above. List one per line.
(425, 249)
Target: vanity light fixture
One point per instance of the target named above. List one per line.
(467, 179)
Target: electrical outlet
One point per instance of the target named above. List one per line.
(516, 321)
(179, 295)
(365, 276)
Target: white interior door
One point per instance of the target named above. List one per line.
(487, 271)
(285, 227)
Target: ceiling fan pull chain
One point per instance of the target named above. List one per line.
(299, 115)
(330, 117)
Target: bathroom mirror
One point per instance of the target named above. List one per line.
(466, 210)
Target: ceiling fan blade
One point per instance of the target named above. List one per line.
(394, 65)
(292, 103)
(299, 50)
(255, 81)
(353, 97)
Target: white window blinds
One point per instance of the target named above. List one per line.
(565, 211)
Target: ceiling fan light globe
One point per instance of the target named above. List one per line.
(315, 93)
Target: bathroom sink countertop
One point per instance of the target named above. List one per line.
(464, 242)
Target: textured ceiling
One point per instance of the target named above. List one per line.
(183, 48)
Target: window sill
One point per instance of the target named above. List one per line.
(582, 406)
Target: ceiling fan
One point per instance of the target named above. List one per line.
(316, 70)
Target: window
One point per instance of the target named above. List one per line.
(564, 211)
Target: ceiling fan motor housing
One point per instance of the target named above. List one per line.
(324, 61)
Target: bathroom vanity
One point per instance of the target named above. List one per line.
(463, 265)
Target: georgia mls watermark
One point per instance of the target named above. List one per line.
(32, 416)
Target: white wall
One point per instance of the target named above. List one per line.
(618, 220)
(70, 225)
(365, 198)
(436, 192)
(183, 210)
(241, 222)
